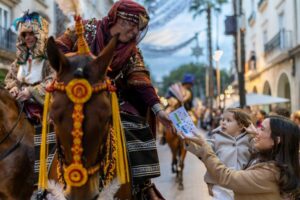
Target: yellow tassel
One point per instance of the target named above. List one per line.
(122, 164)
(82, 45)
(43, 178)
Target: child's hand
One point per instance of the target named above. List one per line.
(251, 129)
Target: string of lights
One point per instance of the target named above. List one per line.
(161, 51)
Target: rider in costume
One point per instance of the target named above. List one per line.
(30, 73)
(139, 102)
(186, 98)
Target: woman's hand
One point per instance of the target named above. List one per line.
(196, 137)
(193, 143)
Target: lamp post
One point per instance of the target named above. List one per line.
(217, 56)
(240, 51)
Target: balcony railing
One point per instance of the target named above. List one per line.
(251, 18)
(282, 40)
(7, 39)
(262, 4)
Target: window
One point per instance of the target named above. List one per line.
(94, 2)
(265, 37)
(281, 21)
(4, 16)
(281, 30)
(252, 5)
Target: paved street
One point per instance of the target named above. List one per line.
(194, 186)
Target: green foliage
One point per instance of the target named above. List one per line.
(2, 75)
(199, 71)
(176, 76)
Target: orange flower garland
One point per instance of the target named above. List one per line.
(79, 91)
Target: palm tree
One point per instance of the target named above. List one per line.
(208, 6)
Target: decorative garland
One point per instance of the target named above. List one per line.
(79, 91)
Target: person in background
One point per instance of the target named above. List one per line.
(295, 117)
(282, 111)
(260, 116)
(30, 72)
(187, 83)
(29, 75)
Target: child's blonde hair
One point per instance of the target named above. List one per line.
(240, 116)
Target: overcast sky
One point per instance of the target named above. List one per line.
(180, 29)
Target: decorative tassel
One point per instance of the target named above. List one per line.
(43, 178)
(82, 45)
(122, 164)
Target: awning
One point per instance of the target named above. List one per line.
(260, 99)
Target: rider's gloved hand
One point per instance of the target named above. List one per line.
(24, 95)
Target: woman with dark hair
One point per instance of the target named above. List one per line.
(273, 175)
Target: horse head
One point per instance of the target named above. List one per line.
(16, 150)
(79, 75)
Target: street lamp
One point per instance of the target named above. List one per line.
(217, 56)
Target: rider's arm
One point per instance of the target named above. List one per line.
(138, 78)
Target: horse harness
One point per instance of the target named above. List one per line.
(79, 91)
(17, 144)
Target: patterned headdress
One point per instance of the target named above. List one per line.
(31, 22)
(131, 11)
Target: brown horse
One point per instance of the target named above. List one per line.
(97, 113)
(16, 150)
(176, 146)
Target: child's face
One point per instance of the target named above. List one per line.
(229, 125)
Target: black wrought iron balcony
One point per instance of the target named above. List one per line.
(7, 39)
(262, 4)
(282, 40)
(251, 18)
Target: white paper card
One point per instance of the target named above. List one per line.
(182, 121)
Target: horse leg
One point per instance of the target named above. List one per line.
(172, 142)
(181, 166)
(53, 169)
(174, 163)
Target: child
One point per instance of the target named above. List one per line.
(232, 145)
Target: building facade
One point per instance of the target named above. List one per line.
(12, 9)
(273, 49)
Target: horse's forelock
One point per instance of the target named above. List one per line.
(81, 61)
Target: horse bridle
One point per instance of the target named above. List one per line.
(16, 145)
(79, 91)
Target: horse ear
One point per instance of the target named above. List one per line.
(105, 57)
(57, 59)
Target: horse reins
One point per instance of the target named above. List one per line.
(16, 145)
